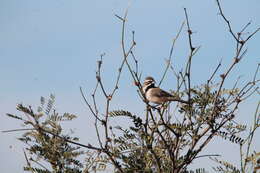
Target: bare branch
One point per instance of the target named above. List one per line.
(215, 71)
(89, 106)
(226, 20)
(171, 52)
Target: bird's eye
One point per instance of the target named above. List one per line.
(148, 82)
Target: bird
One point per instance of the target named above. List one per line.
(157, 95)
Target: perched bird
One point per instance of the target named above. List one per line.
(157, 95)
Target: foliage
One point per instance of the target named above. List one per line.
(45, 140)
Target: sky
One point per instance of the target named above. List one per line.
(52, 46)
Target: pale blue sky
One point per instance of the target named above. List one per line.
(51, 46)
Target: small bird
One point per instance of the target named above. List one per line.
(157, 95)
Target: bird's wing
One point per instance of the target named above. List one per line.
(162, 93)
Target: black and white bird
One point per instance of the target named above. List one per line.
(156, 95)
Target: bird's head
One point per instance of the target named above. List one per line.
(148, 83)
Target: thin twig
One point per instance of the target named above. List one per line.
(226, 20)
(27, 161)
(7, 131)
(213, 74)
(89, 106)
(171, 52)
(207, 155)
